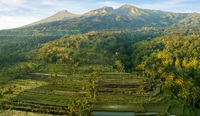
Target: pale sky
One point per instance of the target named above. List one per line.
(16, 13)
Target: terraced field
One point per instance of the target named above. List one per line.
(56, 95)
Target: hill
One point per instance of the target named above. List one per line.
(124, 17)
(60, 16)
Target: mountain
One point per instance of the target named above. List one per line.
(124, 17)
(131, 11)
(106, 18)
(60, 16)
(102, 11)
(125, 10)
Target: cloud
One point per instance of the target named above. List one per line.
(8, 22)
(111, 4)
(9, 5)
(73, 6)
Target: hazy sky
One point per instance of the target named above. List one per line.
(15, 13)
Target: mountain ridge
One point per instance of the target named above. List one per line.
(125, 10)
(124, 17)
(59, 16)
(101, 11)
(131, 11)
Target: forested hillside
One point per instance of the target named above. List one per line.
(165, 55)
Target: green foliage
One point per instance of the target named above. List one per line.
(92, 48)
(1, 94)
(168, 54)
(119, 65)
(78, 107)
(174, 59)
(17, 43)
(92, 87)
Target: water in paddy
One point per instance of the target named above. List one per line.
(96, 113)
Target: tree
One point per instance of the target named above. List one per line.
(78, 107)
(120, 68)
(195, 93)
(92, 88)
(141, 91)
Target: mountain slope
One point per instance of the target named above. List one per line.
(131, 11)
(101, 11)
(60, 16)
(125, 17)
